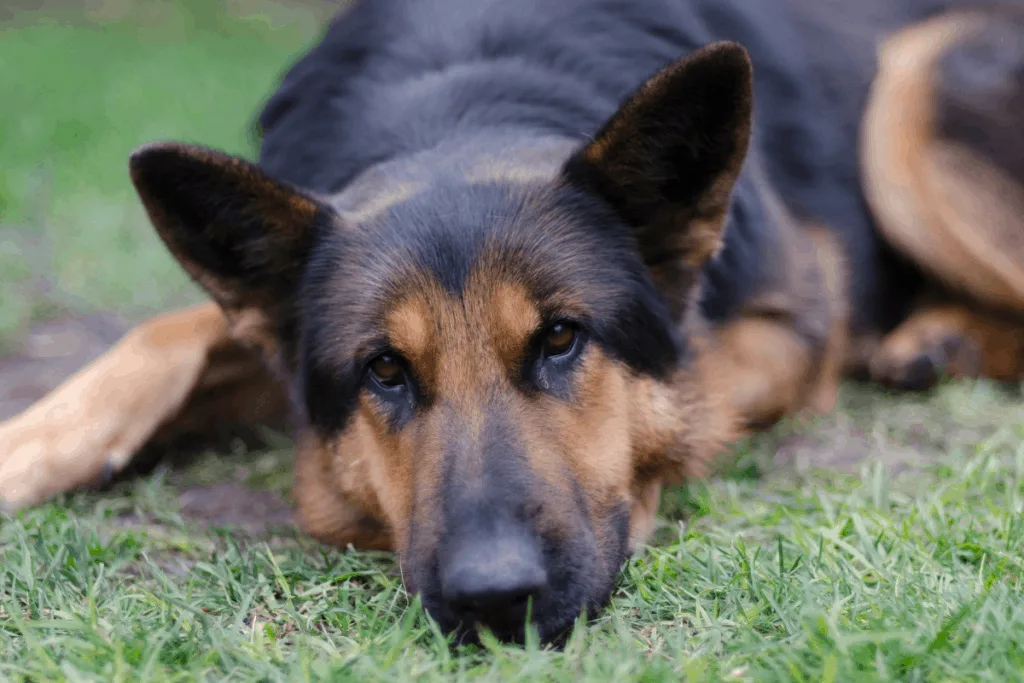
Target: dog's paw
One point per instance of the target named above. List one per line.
(24, 469)
(919, 363)
(91, 426)
(21, 475)
(40, 461)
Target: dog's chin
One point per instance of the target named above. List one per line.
(551, 630)
(552, 618)
(556, 638)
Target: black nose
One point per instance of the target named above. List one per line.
(491, 581)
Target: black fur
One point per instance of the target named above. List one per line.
(224, 217)
(981, 92)
(496, 509)
(392, 77)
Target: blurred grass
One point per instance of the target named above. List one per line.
(82, 85)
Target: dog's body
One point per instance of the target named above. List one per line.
(505, 295)
(396, 80)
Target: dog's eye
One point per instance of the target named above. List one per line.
(559, 339)
(387, 370)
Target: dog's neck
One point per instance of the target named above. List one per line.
(509, 157)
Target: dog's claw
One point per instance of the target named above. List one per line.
(107, 473)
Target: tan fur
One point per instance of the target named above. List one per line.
(385, 194)
(703, 239)
(327, 502)
(765, 365)
(828, 257)
(953, 213)
(513, 319)
(612, 441)
(957, 339)
(646, 496)
(786, 351)
(235, 388)
(412, 332)
(676, 430)
(539, 162)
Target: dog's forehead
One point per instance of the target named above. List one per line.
(454, 234)
(424, 311)
(467, 264)
(459, 342)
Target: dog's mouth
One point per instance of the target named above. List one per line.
(504, 630)
(548, 622)
(549, 627)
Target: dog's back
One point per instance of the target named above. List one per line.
(391, 77)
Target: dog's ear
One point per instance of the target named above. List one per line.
(241, 234)
(667, 161)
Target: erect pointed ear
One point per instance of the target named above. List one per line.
(667, 161)
(242, 235)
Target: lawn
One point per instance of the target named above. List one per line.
(885, 542)
(80, 90)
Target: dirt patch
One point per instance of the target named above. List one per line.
(233, 505)
(844, 451)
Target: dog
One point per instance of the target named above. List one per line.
(506, 269)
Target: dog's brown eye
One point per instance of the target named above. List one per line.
(560, 339)
(387, 370)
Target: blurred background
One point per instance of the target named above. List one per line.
(82, 84)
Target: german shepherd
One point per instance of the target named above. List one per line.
(511, 267)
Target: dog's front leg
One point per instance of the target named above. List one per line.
(94, 422)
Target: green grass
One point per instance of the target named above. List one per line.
(78, 96)
(769, 572)
(777, 577)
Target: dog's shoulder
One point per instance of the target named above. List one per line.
(979, 86)
(304, 126)
(810, 115)
(392, 77)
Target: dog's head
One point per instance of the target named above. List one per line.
(491, 378)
